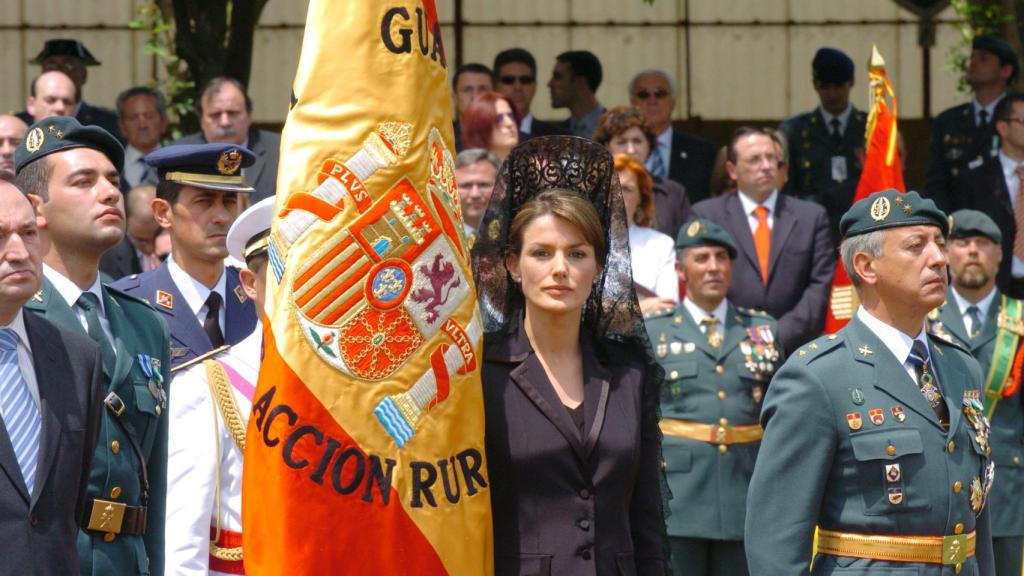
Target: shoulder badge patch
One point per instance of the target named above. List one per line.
(165, 299)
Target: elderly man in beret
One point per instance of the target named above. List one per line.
(197, 201)
(964, 136)
(826, 145)
(71, 172)
(718, 359)
(989, 324)
(877, 435)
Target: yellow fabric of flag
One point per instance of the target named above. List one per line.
(366, 442)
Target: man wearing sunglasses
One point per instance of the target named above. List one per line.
(996, 188)
(827, 144)
(515, 72)
(677, 156)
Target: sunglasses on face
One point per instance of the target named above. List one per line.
(659, 94)
(510, 80)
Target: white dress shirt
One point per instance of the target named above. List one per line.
(699, 313)
(897, 342)
(193, 463)
(28, 368)
(663, 148)
(749, 206)
(134, 167)
(70, 292)
(195, 293)
(653, 260)
(982, 305)
(526, 124)
(976, 107)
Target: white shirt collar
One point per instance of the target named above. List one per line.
(982, 304)
(194, 292)
(843, 117)
(897, 342)
(526, 124)
(1009, 166)
(749, 205)
(976, 107)
(699, 313)
(70, 292)
(665, 139)
(18, 325)
(132, 155)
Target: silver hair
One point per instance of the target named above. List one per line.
(471, 156)
(653, 72)
(871, 244)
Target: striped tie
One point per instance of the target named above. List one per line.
(656, 165)
(20, 413)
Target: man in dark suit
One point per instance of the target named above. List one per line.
(515, 76)
(573, 85)
(50, 401)
(995, 188)
(225, 116)
(678, 156)
(963, 137)
(786, 259)
(200, 299)
(73, 59)
(71, 173)
(826, 145)
(469, 81)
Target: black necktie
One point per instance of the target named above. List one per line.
(91, 305)
(982, 118)
(927, 382)
(837, 134)
(975, 315)
(211, 324)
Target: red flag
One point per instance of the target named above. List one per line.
(882, 171)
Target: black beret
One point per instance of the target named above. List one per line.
(58, 133)
(213, 166)
(705, 233)
(832, 66)
(968, 223)
(890, 209)
(997, 46)
(65, 47)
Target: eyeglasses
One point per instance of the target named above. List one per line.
(659, 94)
(510, 80)
(1018, 120)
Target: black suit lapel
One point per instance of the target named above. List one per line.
(533, 381)
(595, 396)
(51, 376)
(781, 228)
(998, 185)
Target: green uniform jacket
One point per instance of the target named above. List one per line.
(1007, 422)
(811, 153)
(819, 466)
(957, 145)
(704, 384)
(137, 329)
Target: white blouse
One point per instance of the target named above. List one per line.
(653, 261)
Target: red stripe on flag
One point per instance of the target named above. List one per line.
(323, 261)
(286, 503)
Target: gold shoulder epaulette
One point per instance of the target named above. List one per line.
(199, 358)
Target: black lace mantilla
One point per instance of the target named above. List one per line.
(612, 313)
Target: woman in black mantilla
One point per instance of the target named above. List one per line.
(570, 388)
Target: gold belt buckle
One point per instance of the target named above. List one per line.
(106, 516)
(722, 434)
(954, 550)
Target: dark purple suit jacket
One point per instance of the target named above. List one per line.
(984, 189)
(801, 264)
(563, 502)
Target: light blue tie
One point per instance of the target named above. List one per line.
(656, 166)
(20, 413)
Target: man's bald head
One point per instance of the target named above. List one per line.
(12, 132)
(53, 94)
(20, 251)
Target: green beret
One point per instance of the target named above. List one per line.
(968, 223)
(890, 209)
(705, 233)
(59, 133)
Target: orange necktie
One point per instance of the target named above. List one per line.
(762, 241)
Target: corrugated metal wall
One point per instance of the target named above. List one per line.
(733, 59)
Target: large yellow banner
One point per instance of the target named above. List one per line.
(365, 451)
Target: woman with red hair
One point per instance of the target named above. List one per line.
(490, 122)
(652, 254)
